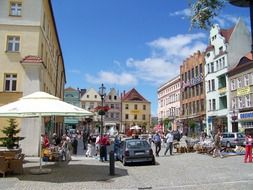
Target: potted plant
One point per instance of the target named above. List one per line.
(102, 110)
(11, 140)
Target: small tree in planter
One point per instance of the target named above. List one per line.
(11, 140)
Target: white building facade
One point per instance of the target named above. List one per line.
(169, 100)
(225, 49)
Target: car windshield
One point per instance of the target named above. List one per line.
(137, 144)
(240, 135)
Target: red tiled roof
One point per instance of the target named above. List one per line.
(133, 95)
(249, 55)
(209, 48)
(31, 59)
(69, 89)
(226, 33)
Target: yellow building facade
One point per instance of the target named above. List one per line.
(30, 58)
(136, 110)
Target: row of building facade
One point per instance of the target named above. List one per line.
(214, 88)
(125, 109)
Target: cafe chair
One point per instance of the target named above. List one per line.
(16, 164)
(3, 166)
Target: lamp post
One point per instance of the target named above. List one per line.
(234, 117)
(102, 95)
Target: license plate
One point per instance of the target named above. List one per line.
(139, 153)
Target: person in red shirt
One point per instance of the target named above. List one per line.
(103, 150)
(248, 148)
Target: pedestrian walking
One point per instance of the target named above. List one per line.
(169, 143)
(248, 148)
(157, 141)
(103, 147)
(217, 145)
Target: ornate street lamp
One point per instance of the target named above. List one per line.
(234, 118)
(102, 95)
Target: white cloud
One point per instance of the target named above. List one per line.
(163, 63)
(112, 78)
(179, 45)
(226, 20)
(183, 13)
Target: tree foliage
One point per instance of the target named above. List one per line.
(203, 12)
(11, 139)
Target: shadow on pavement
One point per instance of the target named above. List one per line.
(64, 173)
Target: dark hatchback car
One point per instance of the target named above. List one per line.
(135, 151)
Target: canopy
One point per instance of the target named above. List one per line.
(41, 104)
(135, 127)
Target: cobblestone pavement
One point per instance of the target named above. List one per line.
(180, 171)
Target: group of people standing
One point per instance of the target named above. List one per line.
(168, 139)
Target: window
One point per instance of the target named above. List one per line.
(143, 117)
(196, 71)
(233, 103)
(13, 43)
(10, 82)
(192, 73)
(240, 103)
(212, 67)
(115, 97)
(126, 116)
(15, 8)
(210, 105)
(214, 104)
(135, 117)
(135, 106)
(221, 49)
(126, 106)
(144, 107)
(239, 82)
(247, 101)
(112, 106)
(88, 96)
(110, 97)
(246, 80)
(95, 96)
(213, 85)
(233, 84)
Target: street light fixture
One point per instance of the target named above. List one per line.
(234, 117)
(102, 95)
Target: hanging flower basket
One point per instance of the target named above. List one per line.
(102, 110)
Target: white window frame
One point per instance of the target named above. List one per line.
(246, 80)
(12, 85)
(13, 44)
(233, 103)
(233, 87)
(240, 102)
(239, 82)
(15, 8)
(247, 101)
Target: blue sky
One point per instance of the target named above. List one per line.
(129, 44)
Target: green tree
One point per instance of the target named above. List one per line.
(10, 140)
(203, 12)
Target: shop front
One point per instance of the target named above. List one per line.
(245, 120)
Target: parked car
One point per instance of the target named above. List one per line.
(232, 139)
(135, 151)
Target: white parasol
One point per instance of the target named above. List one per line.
(39, 104)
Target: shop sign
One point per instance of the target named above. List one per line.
(243, 91)
(246, 115)
(194, 81)
(135, 111)
(222, 90)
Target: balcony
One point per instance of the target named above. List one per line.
(222, 91)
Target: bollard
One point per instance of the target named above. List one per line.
(112, 163)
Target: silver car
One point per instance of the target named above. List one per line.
(232, 139)
(135, 151)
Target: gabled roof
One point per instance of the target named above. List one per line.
(133, 95)
(245, 63)
(209, 48)
(69, 89)
(226, 33)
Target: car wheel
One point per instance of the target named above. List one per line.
(153, 161)
(124, 161)
(228, 145)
